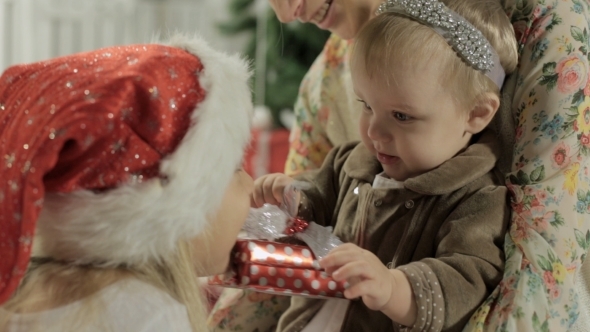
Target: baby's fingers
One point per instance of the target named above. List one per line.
(269, 189)
(372, 294)
(263, 191)
(353, 271)
(358, 278)
(341, 255)
(269, 186)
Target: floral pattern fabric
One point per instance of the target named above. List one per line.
(549, 184)
(239, 310)
(321, 89)
(549, 236)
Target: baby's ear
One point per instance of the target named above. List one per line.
(482, 113)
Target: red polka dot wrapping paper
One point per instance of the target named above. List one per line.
(278, 268)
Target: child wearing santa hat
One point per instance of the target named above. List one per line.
(120, 184)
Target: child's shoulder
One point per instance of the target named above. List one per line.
(139, 306)
(134, 291)
(126, 305)
(131, 289)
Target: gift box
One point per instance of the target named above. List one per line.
(267, 152)
(278, 268)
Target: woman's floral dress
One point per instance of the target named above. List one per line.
(549, 181)
(324, 109)
(549, 236)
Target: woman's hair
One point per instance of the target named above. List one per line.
(63, 283)
(391, 40)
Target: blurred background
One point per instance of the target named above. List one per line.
(32, 30)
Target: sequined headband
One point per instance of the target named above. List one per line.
(467, 41)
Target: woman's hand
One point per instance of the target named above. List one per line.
(269, 189)
(380, 288)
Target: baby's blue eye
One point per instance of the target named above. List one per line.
(401, 116)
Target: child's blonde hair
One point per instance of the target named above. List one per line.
(390, 40)
(62, 284)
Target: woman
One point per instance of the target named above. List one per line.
(326, 104)
(545, 131)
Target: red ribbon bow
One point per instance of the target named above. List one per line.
(296, 226)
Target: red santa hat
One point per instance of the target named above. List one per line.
(110, 157)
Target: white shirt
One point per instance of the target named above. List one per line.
(381, 181)
(329, 318)
(128, 305)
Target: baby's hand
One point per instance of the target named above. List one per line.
(369, 279)
(269, 189)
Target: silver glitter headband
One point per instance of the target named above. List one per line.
(467, 41)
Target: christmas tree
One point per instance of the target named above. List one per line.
(289, 50)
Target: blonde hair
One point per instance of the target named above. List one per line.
(390, 40)
(63, 284)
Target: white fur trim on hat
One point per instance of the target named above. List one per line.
(138, 222)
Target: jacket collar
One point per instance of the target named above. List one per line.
(470, 164)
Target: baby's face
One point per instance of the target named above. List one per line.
(413, 125)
